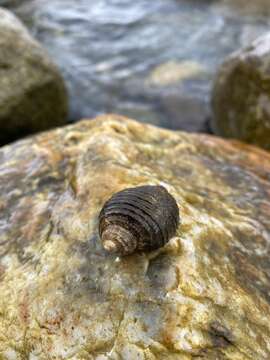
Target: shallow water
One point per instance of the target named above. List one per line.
(150, 60)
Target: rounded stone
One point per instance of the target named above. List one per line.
(205, 295)
(33, 95)
(241, 95)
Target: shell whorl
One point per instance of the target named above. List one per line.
(142, 218)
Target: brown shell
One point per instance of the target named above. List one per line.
(143, 218)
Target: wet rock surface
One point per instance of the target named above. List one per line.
(241, 95)
(205, 295)
(32, 92)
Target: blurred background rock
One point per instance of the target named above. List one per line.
(109, 52)
(33, 95)
(241, 95)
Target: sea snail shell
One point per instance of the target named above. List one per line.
(143, 218)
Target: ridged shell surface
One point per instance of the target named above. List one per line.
(142, 218)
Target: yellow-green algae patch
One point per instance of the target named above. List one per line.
(206, 295)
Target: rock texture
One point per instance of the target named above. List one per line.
(241, 95)
(205, 295)
(173, 72)
(242, 7)
(32, 92)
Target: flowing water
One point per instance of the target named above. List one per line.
(150, 60)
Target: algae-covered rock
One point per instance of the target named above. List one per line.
(32, 92)
(205, 295)
(241, 95)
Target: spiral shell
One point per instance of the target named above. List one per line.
(143, 218)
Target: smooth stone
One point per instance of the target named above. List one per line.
(241, 95)
(33, 96)
(174, 72)
(205, 295)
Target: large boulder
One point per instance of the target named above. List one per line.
(241, 95)
(205, 295)
(33, 96)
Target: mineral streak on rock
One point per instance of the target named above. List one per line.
(142, 218)
(205, 295)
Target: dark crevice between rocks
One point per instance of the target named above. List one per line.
(10, 137)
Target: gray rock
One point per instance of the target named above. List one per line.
(241, 95)
(33, 96)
